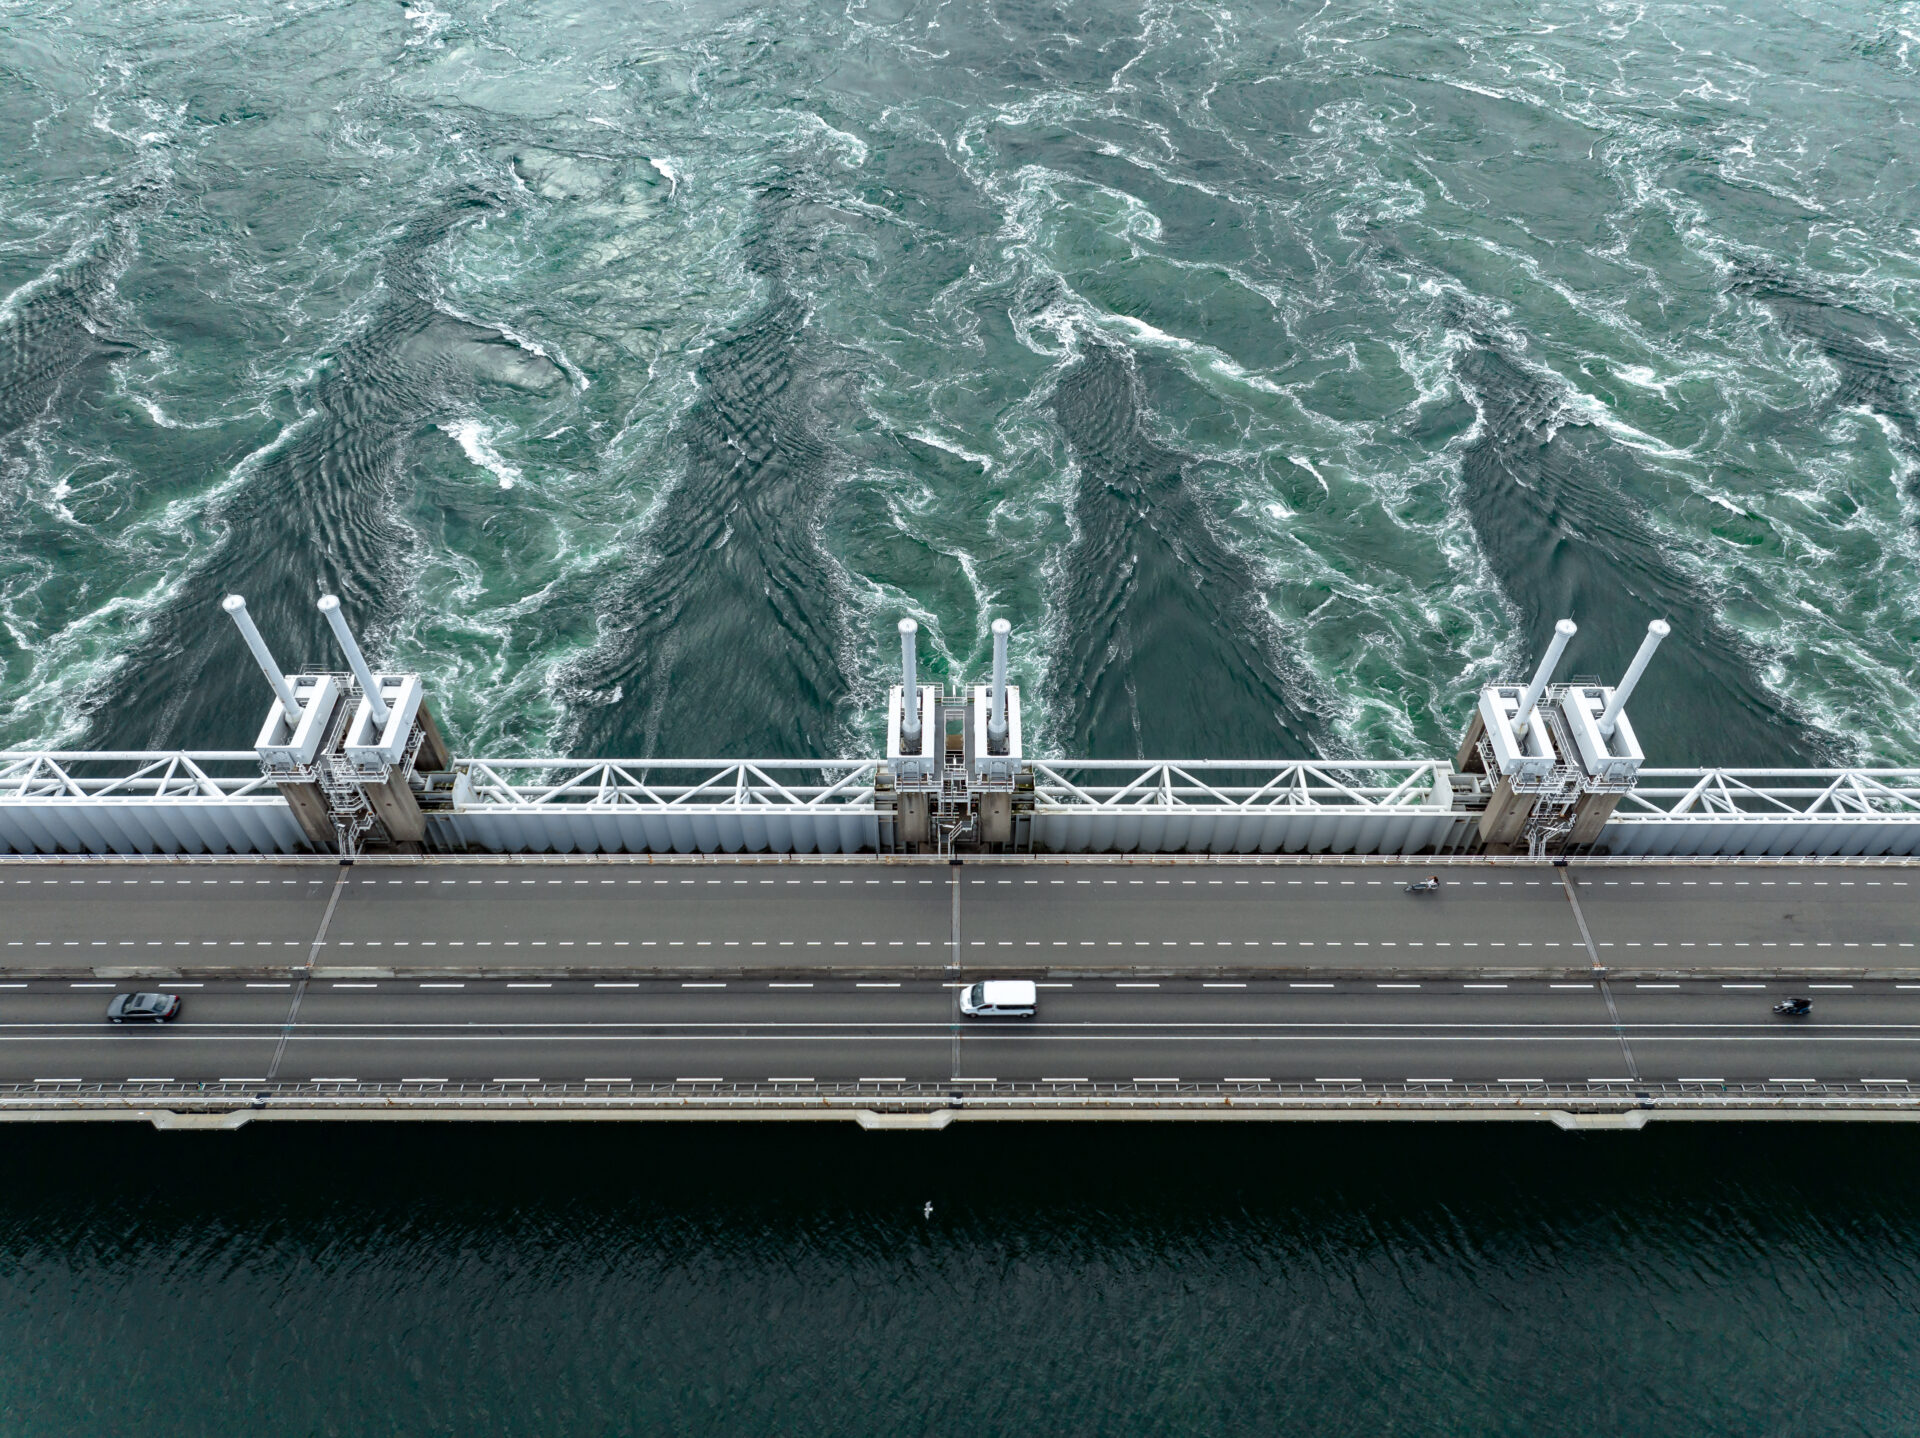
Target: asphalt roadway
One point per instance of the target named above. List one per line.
(563, 918)
(695, 1032)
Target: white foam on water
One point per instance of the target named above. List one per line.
(473, 437)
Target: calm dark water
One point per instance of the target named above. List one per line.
(1115, 1280)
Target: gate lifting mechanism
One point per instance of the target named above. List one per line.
(954, 775)
(1548, 764)
(355, 754)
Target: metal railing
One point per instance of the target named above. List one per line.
(666, 783)
(910, 1096)
(1245, 784)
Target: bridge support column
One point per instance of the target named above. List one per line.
(309, 805)
(396, 808)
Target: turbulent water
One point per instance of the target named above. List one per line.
(1283, 372)
(661, 1279)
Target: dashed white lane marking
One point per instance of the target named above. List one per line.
(443, 986)
(777, 984)
(890, 1079)
(607, 1080)
(700, 1079)
(1310, 986)
(877, 984)
(1829, 986)
(1339, 1080)
(1569, 986)
(1656, 986)
(1136, 986)
(1743, 986)
(1223, 986)
(1396, 986)
(1483, 986)
(686, 985)
(1245, 1080)
(777, 1078)
(1049, 1079)
(529, 986)
(86, 985)
(270, 986)
(628, 984)
(1163, 1078)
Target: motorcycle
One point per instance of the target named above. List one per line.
(1425, 886)
(1794, 1008)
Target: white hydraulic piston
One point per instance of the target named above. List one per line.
(997, 715)
(1656, 631)
(356, 661)
(236, 608)
(910, 685)
(1562, 633)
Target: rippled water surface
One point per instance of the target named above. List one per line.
(1115, 1280)
(1283, 371)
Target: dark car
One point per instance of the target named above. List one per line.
(143, 1008)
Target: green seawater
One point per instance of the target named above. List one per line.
(1283, 372)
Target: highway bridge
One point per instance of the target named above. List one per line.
(1591, 991)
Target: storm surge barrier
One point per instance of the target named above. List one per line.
(352, 761)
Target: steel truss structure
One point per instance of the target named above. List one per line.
(178, 801)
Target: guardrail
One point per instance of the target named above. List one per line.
(922, 1097)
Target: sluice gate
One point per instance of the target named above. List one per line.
(352, 761)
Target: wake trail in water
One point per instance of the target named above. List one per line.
(55, 328)
(727, 640)
(315, 511)
(1164, 649)
(1551, 502)
(1863, 348)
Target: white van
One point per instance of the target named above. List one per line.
(999, 999)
